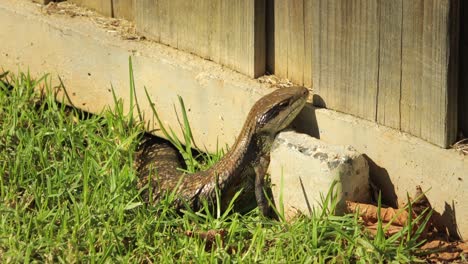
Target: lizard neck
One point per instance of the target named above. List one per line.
(241, 155)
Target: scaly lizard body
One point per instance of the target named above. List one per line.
(242, 168)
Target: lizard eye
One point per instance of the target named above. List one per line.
(273, 112)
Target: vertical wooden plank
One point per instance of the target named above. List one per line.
(296, 43)
(346, 61)
(124, 9)
(102, 6)
(389, 87)
(243, 36)
(320, 36)
(214, 30)
(228, 38)
(428, 104)
(368, 46)
(186, 26)
(413, 14)
(193, 28)
(316, 42)
(308, 22)
(281, 9)
(463, 91)
(259, 38)
(453, 83)
(203, 27)
(166, 23)
(146, 20)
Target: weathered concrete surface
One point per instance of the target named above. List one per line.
(90, 59)
(303, 168)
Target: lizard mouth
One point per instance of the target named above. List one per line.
(295, 110)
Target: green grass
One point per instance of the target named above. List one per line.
(67, 194)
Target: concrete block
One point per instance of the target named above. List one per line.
(307, 167)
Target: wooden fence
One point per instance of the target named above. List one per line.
(229, 32)
(463, 87)
(392, 62)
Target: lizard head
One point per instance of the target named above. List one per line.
(275, 111)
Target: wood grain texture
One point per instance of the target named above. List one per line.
(124, 9)
(345, 60)
(281, 10)
(463, 95)
(146, 12)
(389, 85)
(392, 62)
(308, 43)
(102, 6)
(228, 32)
(428, 87)
(296, 44)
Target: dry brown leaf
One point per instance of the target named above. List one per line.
(369, 215)
(437, 250)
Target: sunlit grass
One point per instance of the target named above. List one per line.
(67, 194)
